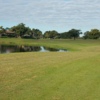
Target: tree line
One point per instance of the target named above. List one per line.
(22, 31)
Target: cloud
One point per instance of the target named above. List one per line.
(57, 13)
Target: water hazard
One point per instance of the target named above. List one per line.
(23, 48)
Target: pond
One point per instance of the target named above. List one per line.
(24, 48)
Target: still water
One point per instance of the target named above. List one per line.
(23, 48)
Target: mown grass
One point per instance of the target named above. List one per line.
(73, 75)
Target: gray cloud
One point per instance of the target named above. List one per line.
(56, 13)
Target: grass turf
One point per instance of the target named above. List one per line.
(73, 75)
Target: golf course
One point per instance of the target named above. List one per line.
(71, 75)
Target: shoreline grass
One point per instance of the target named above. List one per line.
(69, 44)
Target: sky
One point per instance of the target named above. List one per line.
(59, 15)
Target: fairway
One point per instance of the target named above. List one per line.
(72, 75)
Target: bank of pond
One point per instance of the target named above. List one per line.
(26, 48)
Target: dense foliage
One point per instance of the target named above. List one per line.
(22, 31)
(93, 34)
(51, 34)
(2, 30)
(73, 33)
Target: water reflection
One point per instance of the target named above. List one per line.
(23, 48)
(29, 48)
(51, 49)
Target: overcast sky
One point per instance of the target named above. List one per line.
(60, 15)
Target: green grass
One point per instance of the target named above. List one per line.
(73, 75)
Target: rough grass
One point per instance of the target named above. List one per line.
(73, 75)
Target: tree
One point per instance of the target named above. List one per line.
(51, 34)
(16, 30)
(21, 30)
(36, 33)
(2, 30)
(46, 34)
(86, 35)
(93, 34)
(74, 33)
(65, 35)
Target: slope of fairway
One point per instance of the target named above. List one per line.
(52, 75)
